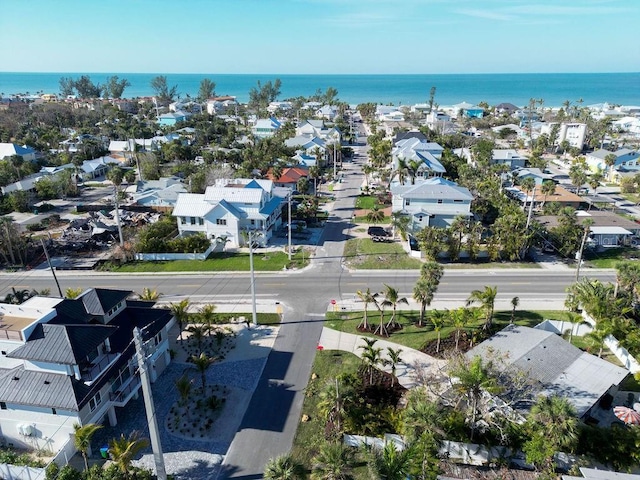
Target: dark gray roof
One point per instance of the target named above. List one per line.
(558, 366)
(98, 301)
(41, 389)
(62, 344)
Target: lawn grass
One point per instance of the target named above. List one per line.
(366, 202)
(416, 337)
(363, 219)
(218, 262)
(611, 256)
(630, 384)
(491, 265)
(365, 254)
(309, 437)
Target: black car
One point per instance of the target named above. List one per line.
(378, 232)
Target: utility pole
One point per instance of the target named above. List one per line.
(149, 406)
(579, 254)
(335, 169)
(53, 272)
(289, 218)
(115, 196)
(254, 315)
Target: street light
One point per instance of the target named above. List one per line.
(254, 315)
(289, 218)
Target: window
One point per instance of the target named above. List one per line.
(439, 200)
(4, 352)
(3, 406)
(407, 202)
(200, 221)
(94, 402)
(193, 220)
(157, 339)
(183, 220)
(253, 222)
(221, 221)
(457, 201)
(53, 411)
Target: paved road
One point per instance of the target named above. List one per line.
(270, 423)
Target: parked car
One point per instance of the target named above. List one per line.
(378, 232)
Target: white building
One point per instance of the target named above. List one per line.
(230, 207)
(434, 202)
(574, 133)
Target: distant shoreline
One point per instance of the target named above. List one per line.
(397, 89)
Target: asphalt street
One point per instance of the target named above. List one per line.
(269, 425)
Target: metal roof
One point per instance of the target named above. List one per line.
(191, 205)
(62, 344)
(41, 389)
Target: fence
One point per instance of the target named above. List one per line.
(154, 257)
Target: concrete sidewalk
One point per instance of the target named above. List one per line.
(406, 372)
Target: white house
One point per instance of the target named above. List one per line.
(28, 154)
(574, 133)
(265, 127)
(434, 202)
(508, 156)
(230, 207)
(67, 361)
(427, 154)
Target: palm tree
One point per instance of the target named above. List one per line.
(183, 386)
(334, 461)
(284, 467)
(367, 169)
(392, 299)
(400, 171)
(547, 188)
(430, 274)
(202, 364)
(116, 175)
(594, 181)
(149, 295)
(82, 439)
(474, 377)
(207, 316)
(371, 355)
(366, 297)
(180, 311)
(439, 319)
(393, 360)
(423, 293)
(515, 301)
(72, 292)
(380, 329)
(375, 215)
(392, 463)
(124, 449)
(487, 300)
(610, 160)
(628, 278)
(400, 224)
(557, 420)
(198, 333)
(459, 318)
(598, 335)
(529, 186)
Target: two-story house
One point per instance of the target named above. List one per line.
(229, 208)
(265, 127)
(625, 159)
(415, 149)
(68, 361)
(434, 202)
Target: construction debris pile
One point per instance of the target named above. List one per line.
(99, 230)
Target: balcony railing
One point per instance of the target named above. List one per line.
(91, 371)
(125, 391)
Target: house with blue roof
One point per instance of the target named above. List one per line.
(434, 202)
(28, 154)
(265, 127)
(172, 118)
(230, 207)
(421, 151)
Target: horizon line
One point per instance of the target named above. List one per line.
(323, 74)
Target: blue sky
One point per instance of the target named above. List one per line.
(320, 36)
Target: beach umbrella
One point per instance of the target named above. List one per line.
(627, 415)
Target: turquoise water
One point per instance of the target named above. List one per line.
(553, 88)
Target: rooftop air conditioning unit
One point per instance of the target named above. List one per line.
(26, 429)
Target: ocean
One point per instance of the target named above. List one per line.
(553, 88)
